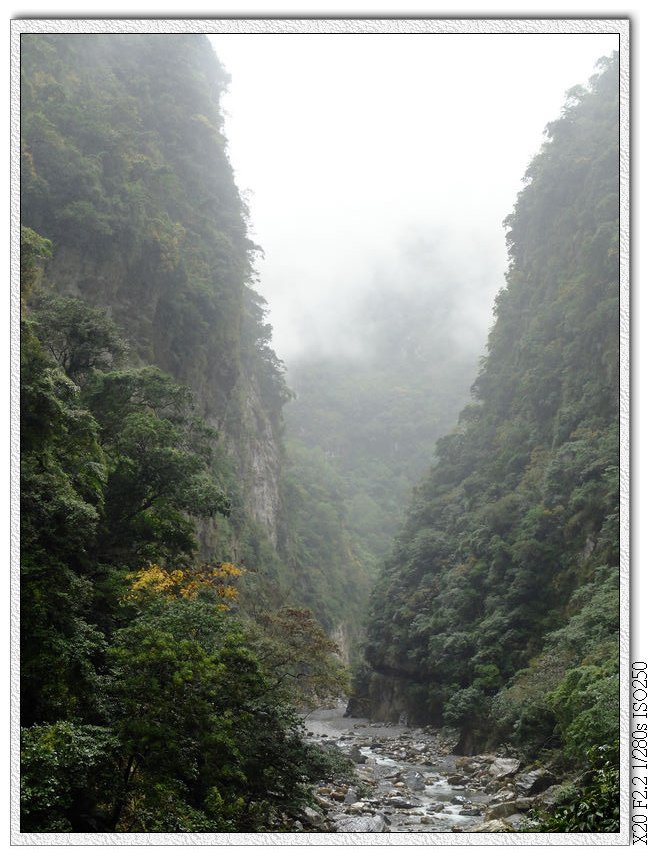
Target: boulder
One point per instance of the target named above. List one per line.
(356, 756)
(322, 801)
(525, 804)
(376, 823)
(519, 821)
(415, 781)
(503, 809)
(550, 795)
(457, 780)
(492, 826)
(459, 800)
(507, 809)
(535, 781)
(505, 795)
(400, 802)
(311, 817)
(504, 767)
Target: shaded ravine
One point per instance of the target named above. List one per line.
(409, 781)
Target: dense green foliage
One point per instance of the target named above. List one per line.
(497, 610)
(147, 704)
(125, 171)
(592, 804)
(154, 695)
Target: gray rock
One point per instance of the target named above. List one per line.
(534, 782)
(505, 795)
(518, 820)
(311, 817)
(525, 804)
(457, 780)
(549, 796)
(415, 781)
(504, 767)
(356, 756)
(504, 809)
(377, 823)
(400, 802)
(384, 772)
(351, 797)
(492, 826)
(507, 809)
(469, 812)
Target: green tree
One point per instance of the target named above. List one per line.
(63, 479)
(300, 660)
(79, 338)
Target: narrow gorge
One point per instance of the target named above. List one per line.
(370, 591)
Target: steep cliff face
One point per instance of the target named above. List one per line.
(260, 455)
(125, 170)
(498, 607)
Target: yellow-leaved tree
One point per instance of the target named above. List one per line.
(217, 579)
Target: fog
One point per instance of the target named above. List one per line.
(354, 150)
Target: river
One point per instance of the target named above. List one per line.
(408, 781)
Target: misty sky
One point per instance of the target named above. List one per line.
(352, 148)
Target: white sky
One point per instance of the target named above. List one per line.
(348, 145)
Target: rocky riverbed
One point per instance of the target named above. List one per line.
(409, 781)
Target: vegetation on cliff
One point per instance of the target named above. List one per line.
(497, 610)
(156, 695)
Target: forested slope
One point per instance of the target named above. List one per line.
(497, 610)
(165, 649)
(125, 170)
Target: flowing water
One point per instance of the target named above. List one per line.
(406, 777)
